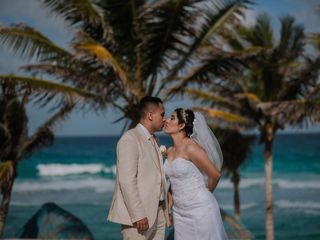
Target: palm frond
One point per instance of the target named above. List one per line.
(59, 116)
(231, 11)
(6, 173)
(225, 116)
(249, 96)
(304, 83)
(83, 75)
(4, 140)
(260, 34)
(291, 39)
(15, 119)
(271, 76)
(233, 41)
(215, 66)
(31, 44)
(211, 98)
(166, 23)
(89, 47)
(76, 11)
(236, 148)
(44, 136)
(125, 25)
(293, 111)
(41, 86)
(315, 40)
(216, 15)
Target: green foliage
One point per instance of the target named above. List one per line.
(124, 50)
(278, 86)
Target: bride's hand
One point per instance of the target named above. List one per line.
(211, 184)
(170, 200)
(171, 219)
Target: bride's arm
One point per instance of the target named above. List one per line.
(199, 157)
(212, 184)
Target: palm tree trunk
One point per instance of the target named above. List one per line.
(5, 205)
(236, 199)
(268, 184)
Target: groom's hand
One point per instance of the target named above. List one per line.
(142, 225)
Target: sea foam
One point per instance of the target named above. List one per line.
(298, 204)
(96, 184)
(72, 169)
(243, 206)
(281, 183)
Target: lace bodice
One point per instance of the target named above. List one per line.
(187, 181)
(196, 212)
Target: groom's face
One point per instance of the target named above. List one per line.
(158, 118)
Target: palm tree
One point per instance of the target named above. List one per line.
(314, 39)
(279, 86)
(124, 50)
(15, 144)
(236, 149)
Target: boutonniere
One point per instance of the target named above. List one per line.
(163, 151)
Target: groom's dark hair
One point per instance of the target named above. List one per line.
(147, 104)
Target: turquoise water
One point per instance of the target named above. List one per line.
(78, 174)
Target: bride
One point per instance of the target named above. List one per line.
(193, 165)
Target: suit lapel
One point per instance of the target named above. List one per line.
(149, 147)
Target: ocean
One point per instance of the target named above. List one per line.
(78, 173)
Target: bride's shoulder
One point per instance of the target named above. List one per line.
(169, 152)
(191, 146)
(190, 143)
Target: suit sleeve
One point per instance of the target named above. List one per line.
(127, 160)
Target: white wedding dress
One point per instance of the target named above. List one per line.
(196, 213)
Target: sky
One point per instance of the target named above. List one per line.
(34, 14)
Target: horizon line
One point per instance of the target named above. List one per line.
(162, 134)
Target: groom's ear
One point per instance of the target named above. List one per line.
(149, 116)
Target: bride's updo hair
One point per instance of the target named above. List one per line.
(185, 116)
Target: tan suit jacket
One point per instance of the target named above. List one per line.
(138, 182)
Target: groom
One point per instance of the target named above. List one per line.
(139, 199)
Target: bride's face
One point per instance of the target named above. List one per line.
(172, 125)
